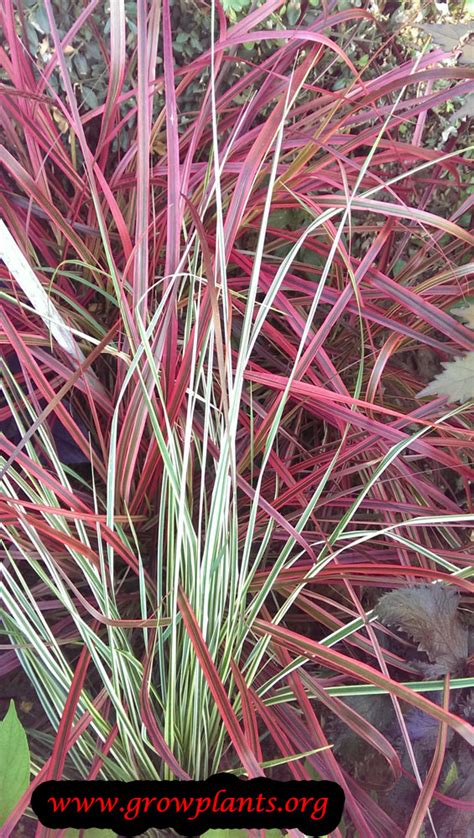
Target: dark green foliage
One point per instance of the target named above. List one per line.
(429, 615)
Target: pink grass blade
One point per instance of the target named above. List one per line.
(149, 717)
(60, 749)
(229, 719)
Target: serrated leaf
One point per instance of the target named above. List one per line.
(465, 313)
(14, 762)
(429, 614)
(456, 382)
(448, 36)
(456, 37)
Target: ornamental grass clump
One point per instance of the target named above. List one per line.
(216, 454)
